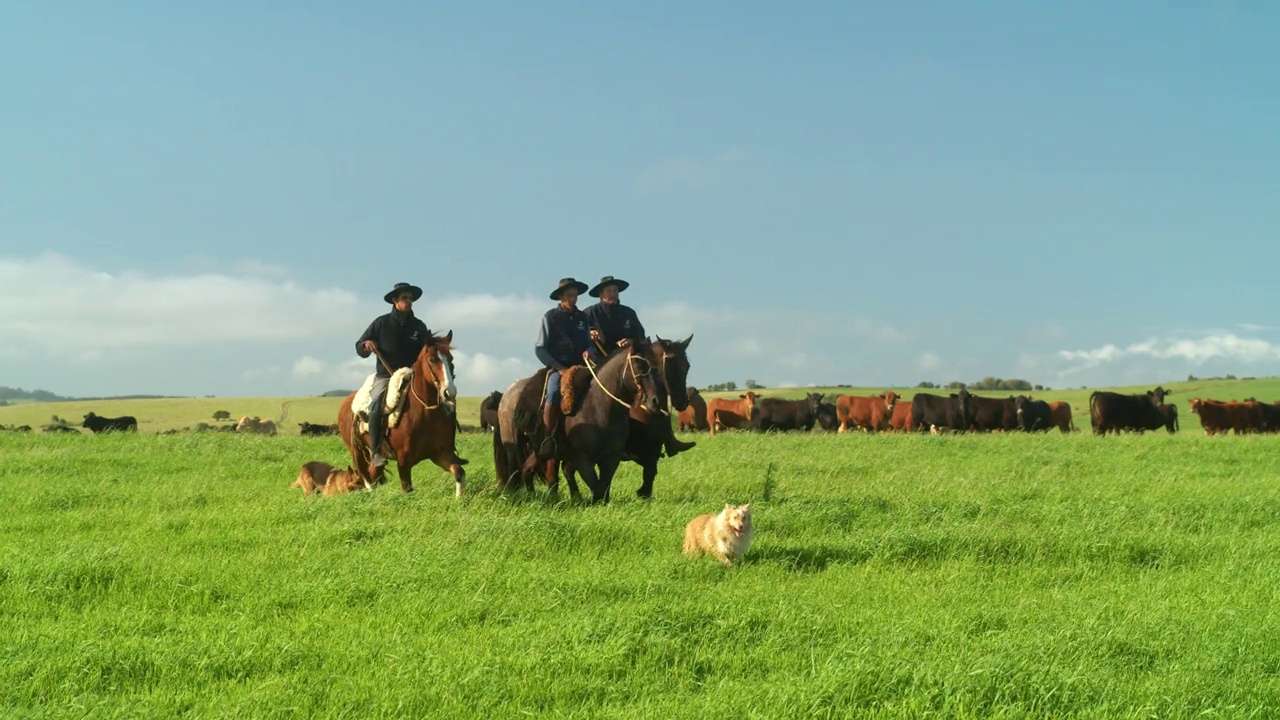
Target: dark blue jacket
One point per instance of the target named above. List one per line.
(562, 338)
(615, 322)
(399, 337)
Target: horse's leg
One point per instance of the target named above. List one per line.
(551, 475)
(589, 475)
(406, 477)
(357, 464)
(650, 467)
(571, 475)
(605, 482)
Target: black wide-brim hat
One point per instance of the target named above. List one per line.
(568, 282)
(609, 280)
(401, 287)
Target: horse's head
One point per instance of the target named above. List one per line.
(435, 365)
(672, 359)
(650, 390)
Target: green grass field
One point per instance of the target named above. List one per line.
(995, 576)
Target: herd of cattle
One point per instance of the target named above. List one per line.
(887, 412)
(964, 412)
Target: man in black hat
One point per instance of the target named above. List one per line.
(564, 340)
(614, 325)
(397, 338)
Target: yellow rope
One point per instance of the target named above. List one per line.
(630, 358)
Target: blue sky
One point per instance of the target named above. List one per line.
(212, 200)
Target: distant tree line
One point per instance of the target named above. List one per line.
(9, 393)
(986, 383)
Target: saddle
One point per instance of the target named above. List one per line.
(574, 384)
(393, 405)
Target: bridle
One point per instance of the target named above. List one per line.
(632, 358)
(435, 381)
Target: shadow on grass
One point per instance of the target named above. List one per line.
(807, 559)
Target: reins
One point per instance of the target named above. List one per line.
(413, 390)
(631, 358)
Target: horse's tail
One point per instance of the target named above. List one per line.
(501, 464)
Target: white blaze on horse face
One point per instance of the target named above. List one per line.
(449, 391)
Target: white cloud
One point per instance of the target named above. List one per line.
(686, 172)
(55, 304)
(928, 361)
(307, 365)
(1226, 346)
(1251, 327)
(479, 373)
(516, 313)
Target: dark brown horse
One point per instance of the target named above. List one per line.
(645, 441)
(428, 425)
(594, 437)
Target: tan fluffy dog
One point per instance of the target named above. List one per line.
(725, 536)
(325, 478)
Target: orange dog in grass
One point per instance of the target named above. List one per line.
(725, 536)
(324, 478)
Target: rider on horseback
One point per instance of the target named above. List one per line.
(615, 325)
(397, 338)
(564, 340)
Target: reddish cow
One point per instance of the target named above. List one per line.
(866, 413)
(694, 417)
(1060, 416)
(1219, 417)
(901, 420)
(740, 413)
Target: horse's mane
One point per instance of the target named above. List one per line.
(436, 341)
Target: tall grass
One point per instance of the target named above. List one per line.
(891, 576)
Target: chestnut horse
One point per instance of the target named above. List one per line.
(428, 423)
(595, 436)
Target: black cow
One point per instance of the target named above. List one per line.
(987, 414)
(779, 414)
(827, 418)
(489, 411)
(60, 429)
(1113, 412)
(952, 412)
(1270, 415)
(99, 424)
(306, 428)
(1169, 413)
(1033, 415)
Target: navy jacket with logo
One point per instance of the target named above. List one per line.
(563, 336)
(399, 337)
(615, 322)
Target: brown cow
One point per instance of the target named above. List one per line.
(902, 420)
(694, 417)
(1219, 417)
(1060, 416)
(740, 413)
(866, 413)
